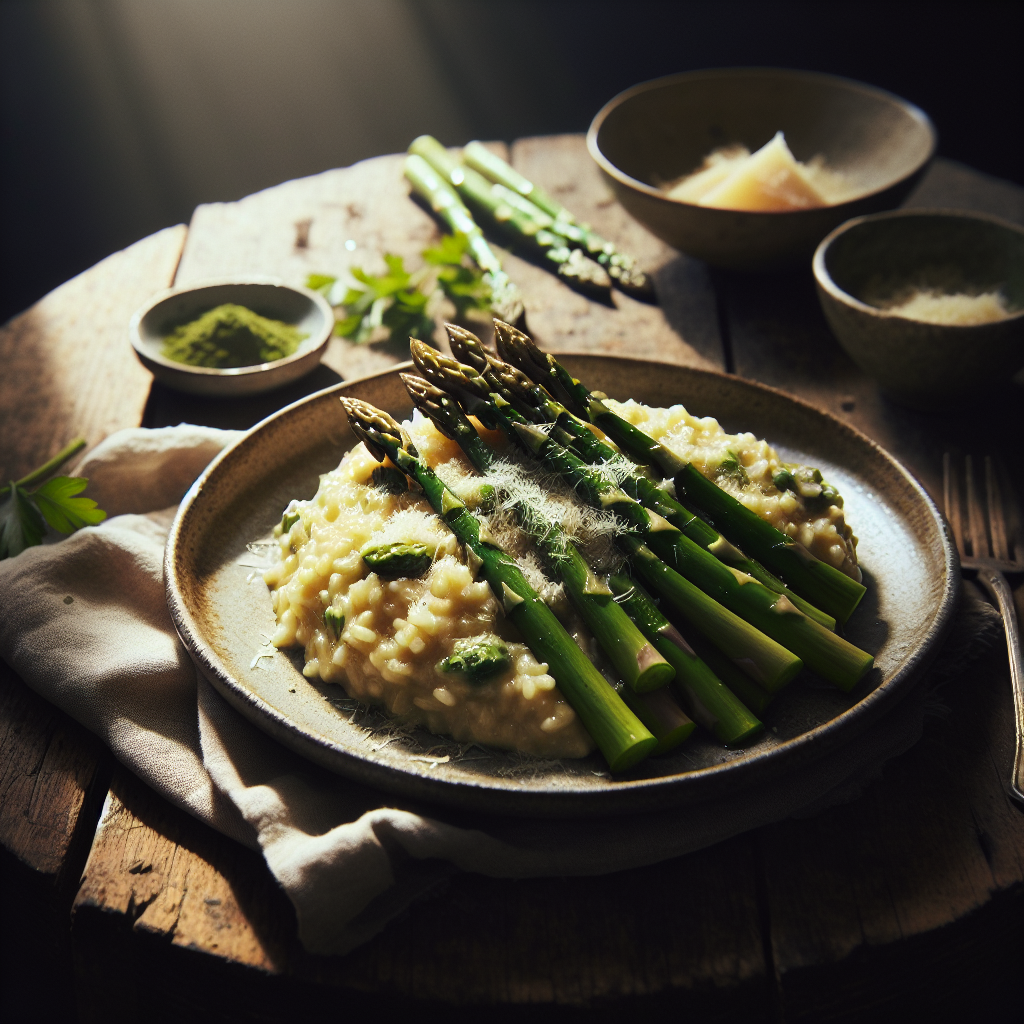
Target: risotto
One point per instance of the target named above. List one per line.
(376, 590)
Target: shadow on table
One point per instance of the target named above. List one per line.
(167, 408)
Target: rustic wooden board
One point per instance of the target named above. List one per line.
(158, 884)
(68, 366)
(369, 204)
(683, 328)
(68, 369)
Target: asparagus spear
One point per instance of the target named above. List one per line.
(638, 664)
(622, 268)
(576, 434)
(820, 583)
(619, 734)
(704, 696)
(444, 201)
(832, 657)
(659, 711)
(767, 661)
(764, 660)
(512, 212)
(754, 697)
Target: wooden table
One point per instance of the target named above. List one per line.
(907, 900)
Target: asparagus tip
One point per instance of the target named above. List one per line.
(467, 347)
(519, 349)
(369, 423)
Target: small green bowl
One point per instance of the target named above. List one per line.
(924, 365)
(305, 309)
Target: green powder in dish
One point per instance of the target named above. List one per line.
(231, 336)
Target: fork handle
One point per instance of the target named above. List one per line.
(995, 583)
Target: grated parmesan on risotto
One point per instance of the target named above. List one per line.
(386, 641)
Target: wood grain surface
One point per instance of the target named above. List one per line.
(908, 899)
(68, 370)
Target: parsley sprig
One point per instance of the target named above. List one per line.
(399, 304)
(24, 513)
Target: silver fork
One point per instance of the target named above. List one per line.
(985, 546)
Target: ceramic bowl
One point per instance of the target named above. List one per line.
(658, 131)
(922, 365)
(307, 310)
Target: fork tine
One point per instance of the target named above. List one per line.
(951, 499)
(996, 525)
(975, 515)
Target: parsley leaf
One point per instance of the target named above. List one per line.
(21, 525)
(61, 509)
(24, 513)
(397, 304)
(322, 283)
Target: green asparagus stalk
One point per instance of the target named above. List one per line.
(818, 582)
(756, 698)
(622, 268)
(636, 661)
(706, 699)
(619, 734)
(517, 216)
(514, 347)
(767, 661)
(444, 201)
(832, 657)
(665, 719)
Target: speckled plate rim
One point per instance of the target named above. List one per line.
(625, 796)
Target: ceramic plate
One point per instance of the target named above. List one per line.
(222, 608)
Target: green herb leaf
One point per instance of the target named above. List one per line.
(322, 283)
(448, 252)
(63, 511)
(731, 466)
(21, 525)
(394, 306)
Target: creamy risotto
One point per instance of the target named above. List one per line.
(409, 635)
(790, 498)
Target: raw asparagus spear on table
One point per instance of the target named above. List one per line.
(512, 212)
(639, 664)
(618, 733)
(622, 268)
(444, 201)
(763, 658)
(818, 582)
(578, 436)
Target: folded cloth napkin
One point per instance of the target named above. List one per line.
(85, 623)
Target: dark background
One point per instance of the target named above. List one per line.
(120, 116)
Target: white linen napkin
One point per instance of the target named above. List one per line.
(85, 623)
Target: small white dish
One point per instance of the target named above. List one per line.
(307, 310)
